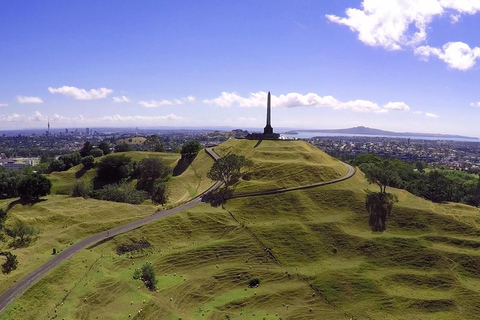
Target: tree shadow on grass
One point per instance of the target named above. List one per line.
(181, 166)
(218, 197)
(80, 173)
(23, 203)
(258, 143)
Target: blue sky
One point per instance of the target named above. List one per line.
(410, 65)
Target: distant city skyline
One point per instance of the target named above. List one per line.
(409, 66)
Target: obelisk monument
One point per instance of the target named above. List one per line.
(268, 128)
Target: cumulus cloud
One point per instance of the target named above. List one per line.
(3, 104)
(431, 115)
(457, 55)
(165, 102)
(398, 106)
(121, 99)
(29, 100)
(291, 100)
(82, 94)
(475, 104)
(393, 24)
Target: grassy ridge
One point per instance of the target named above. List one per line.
(326, 262)
(282, 164)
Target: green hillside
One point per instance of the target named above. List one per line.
(323, 261)
(282, 164)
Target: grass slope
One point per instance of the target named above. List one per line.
(282, 164)
(326, 263)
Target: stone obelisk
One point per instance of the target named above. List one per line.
(268, 128)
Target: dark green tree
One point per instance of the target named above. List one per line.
(190, 150)
(10, 264)
(33, 187)
(105, 147)
(227, 169)
(71, 159)
(154, 143)
(123, 147)
(3, 217)
(150, 170)
(82, 189)
(87, 147)
(382, 174)
(88, 162)
(147, 274)
(379, 205)
(21, 233)
(56, 165)
(114, 168)
(96, 152)
(159, 193)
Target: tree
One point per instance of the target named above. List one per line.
(227, 169)
(33, 187)
(382, 174)
(154, 143)
(159, 193)
(82, 189)
(10, 264)
(123, 147)
(88, 162)
(114, 168)
(151, 169)
(56, 165)
(71, 159)
(87, 147)
(379, 205)
(147, 274)
(366, 158)
(105, 147)
(22, 231)
(96, 152)
(190, 150)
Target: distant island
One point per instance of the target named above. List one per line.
(376, 132)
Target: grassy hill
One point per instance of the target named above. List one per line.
(323, 262)
(282, 164)
(189, 184)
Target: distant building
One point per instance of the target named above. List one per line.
(18, 163)
(87, 131)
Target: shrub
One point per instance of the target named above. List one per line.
(96, 152)
(11, 263)
(254, 282)
(34, 186)
(114, 168)
(82, 189)
(147, 274)
(123, 147)
(88, 162)
(132, 246)
(123, 192)
(159, 193)
(22, 231)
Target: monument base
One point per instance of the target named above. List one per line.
(262, 136)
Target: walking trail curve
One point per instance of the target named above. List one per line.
(22, 285)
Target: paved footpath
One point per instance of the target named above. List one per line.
(23, 284)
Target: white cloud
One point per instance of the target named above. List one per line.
(290, 100)
(121, 99)
(33, 100)
(165, 102)
(82, 94)
(417, 112)
(398, 106)
(456, 55)
(431, 115)
(475, 104)
(394, 24)
(3, 104)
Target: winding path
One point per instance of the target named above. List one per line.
(26, 282)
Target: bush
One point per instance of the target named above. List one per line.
(253, 283)
(82, 189)
(159, 193)
(114, 168)
(134, 245)
(96, 152)
(3, 217)
(34, 186)
(88, 162)
(147, 274)
(123, 192)
(123, 147)
(22, 231)
(11, 263)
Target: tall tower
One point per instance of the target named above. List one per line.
(48, 127)
(268, 128)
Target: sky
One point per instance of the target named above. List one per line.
(399, 65)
